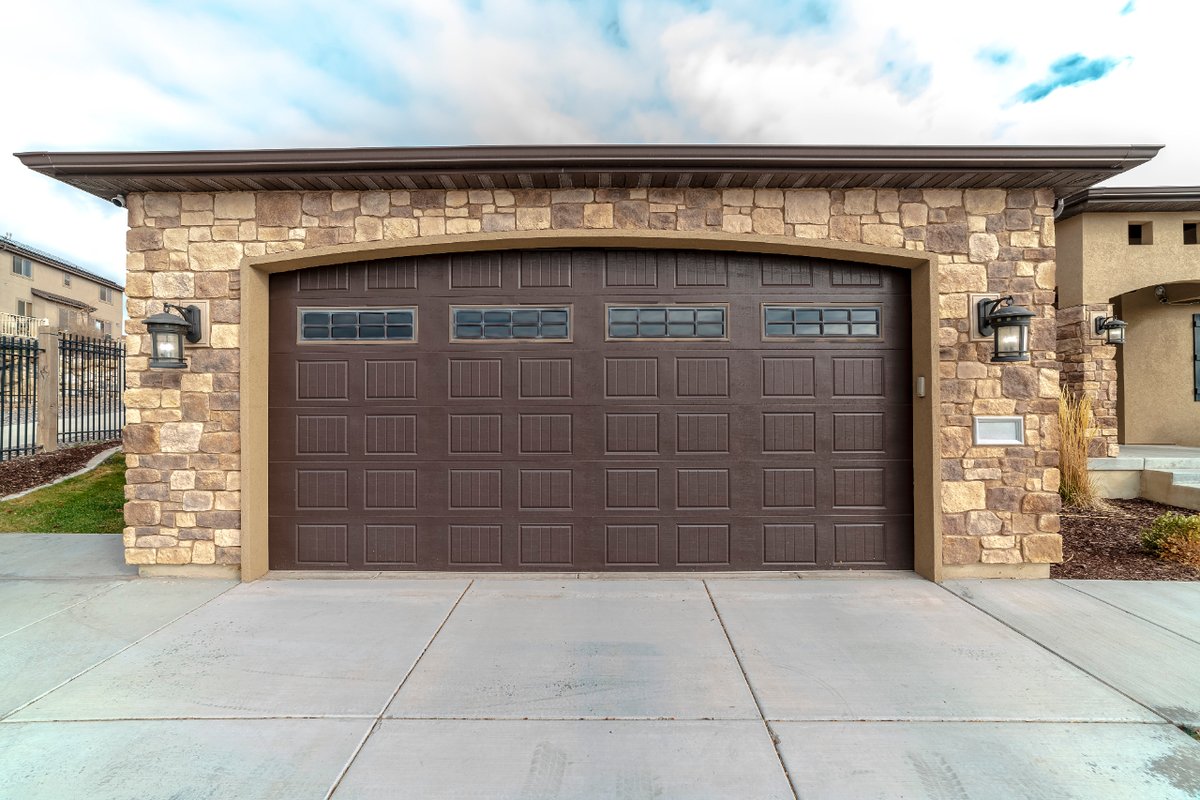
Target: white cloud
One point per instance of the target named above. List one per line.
(134, 74)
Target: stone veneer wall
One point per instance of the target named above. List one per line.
(1089, 367)
(182, 442)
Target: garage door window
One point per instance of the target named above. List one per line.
(667, 322)
(799, 322)
(476, 323)
(358, 324)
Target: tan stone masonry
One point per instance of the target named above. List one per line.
(999, 504)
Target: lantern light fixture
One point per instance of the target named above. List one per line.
(167, 335)
(1008, 325)
(1112, 329)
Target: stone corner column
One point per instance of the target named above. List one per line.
(1089, 368)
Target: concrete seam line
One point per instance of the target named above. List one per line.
(378, 718)
(94, 462)
(753, 694)
(1059, 656)
(1127, 611)
(105, 590)
(113, 655)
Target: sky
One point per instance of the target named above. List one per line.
(147, 75)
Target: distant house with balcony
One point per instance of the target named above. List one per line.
(40, 291)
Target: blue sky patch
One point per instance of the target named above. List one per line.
(996, 56)
(1067, 71)
(1127, 8)
(899, 66)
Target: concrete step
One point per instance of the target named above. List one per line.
(1173, 487)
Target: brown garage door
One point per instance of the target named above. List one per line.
(590, 410)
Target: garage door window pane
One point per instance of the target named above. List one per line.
(806, 321)
(667, 322)
(524, 323)
(357, 324)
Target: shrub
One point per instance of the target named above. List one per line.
(1075, 431)
(1174, 537)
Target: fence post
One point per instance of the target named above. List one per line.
(47, 392)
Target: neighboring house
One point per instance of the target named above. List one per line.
(1134, 253)
(42, 291)
(619, 358)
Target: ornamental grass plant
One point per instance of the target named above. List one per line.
(1075, 432)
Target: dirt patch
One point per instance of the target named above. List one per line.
(27, 472)
(1108, 545)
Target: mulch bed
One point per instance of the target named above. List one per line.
(27, 472)
(1107, 545)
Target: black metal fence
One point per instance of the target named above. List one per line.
(18, 396)
(91, 375)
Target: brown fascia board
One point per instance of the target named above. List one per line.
(1131, 199)
(1071, 167)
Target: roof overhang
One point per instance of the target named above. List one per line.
(42, 257)
(62, 300)
(1065, 169)
(1131, 199)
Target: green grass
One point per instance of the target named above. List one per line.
(90, 503)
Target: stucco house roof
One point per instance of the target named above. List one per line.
(1132, 199)
(61, 300)
(13, 246)
(1065, 169)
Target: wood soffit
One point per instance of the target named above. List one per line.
(1065, 169)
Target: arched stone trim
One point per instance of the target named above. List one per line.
(255, 273)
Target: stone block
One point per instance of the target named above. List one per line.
(998, 542)
(375, 204)
(768, 221)
(234, 205)
(883, 235)
(499, 222)
(368, 229)
(962, 278)
(1001, 556)
(942, 198)
(459, 225)
(806, 206)
(961, 550)
(737, 198)
(914, 215)
(399, 228)
(983, 247)
(598, 215)
(985, 201)
(142, 513)
(984, 523)
(197, 501)
(737, 223)
(963, 496)
(174, 555)
(180, 437)
(768, 198)
(947, 238)
(280, 209)
(214, 256)
(532, 219)
(140, 438)
(1042, 548)
(859, 201)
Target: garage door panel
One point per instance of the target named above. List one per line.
(746, 453)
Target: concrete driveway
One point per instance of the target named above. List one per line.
(567, 687)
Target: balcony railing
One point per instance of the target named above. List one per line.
(17, 325)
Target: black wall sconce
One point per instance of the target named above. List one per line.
(1008, 325)
(1112, 329)
(168, 332)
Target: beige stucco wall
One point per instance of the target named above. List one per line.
(990, 510)
(49, 278)
(1156, 401)
(1096, 263)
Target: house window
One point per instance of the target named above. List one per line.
(1141, 233)
(1196, 355)
(518, 322)
(1189, 233)
(66, 279)
(22, 267)
(24, 308)
(64, 319)
(793, 322)
(105, 294)
(667, 322)
(358, 324)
